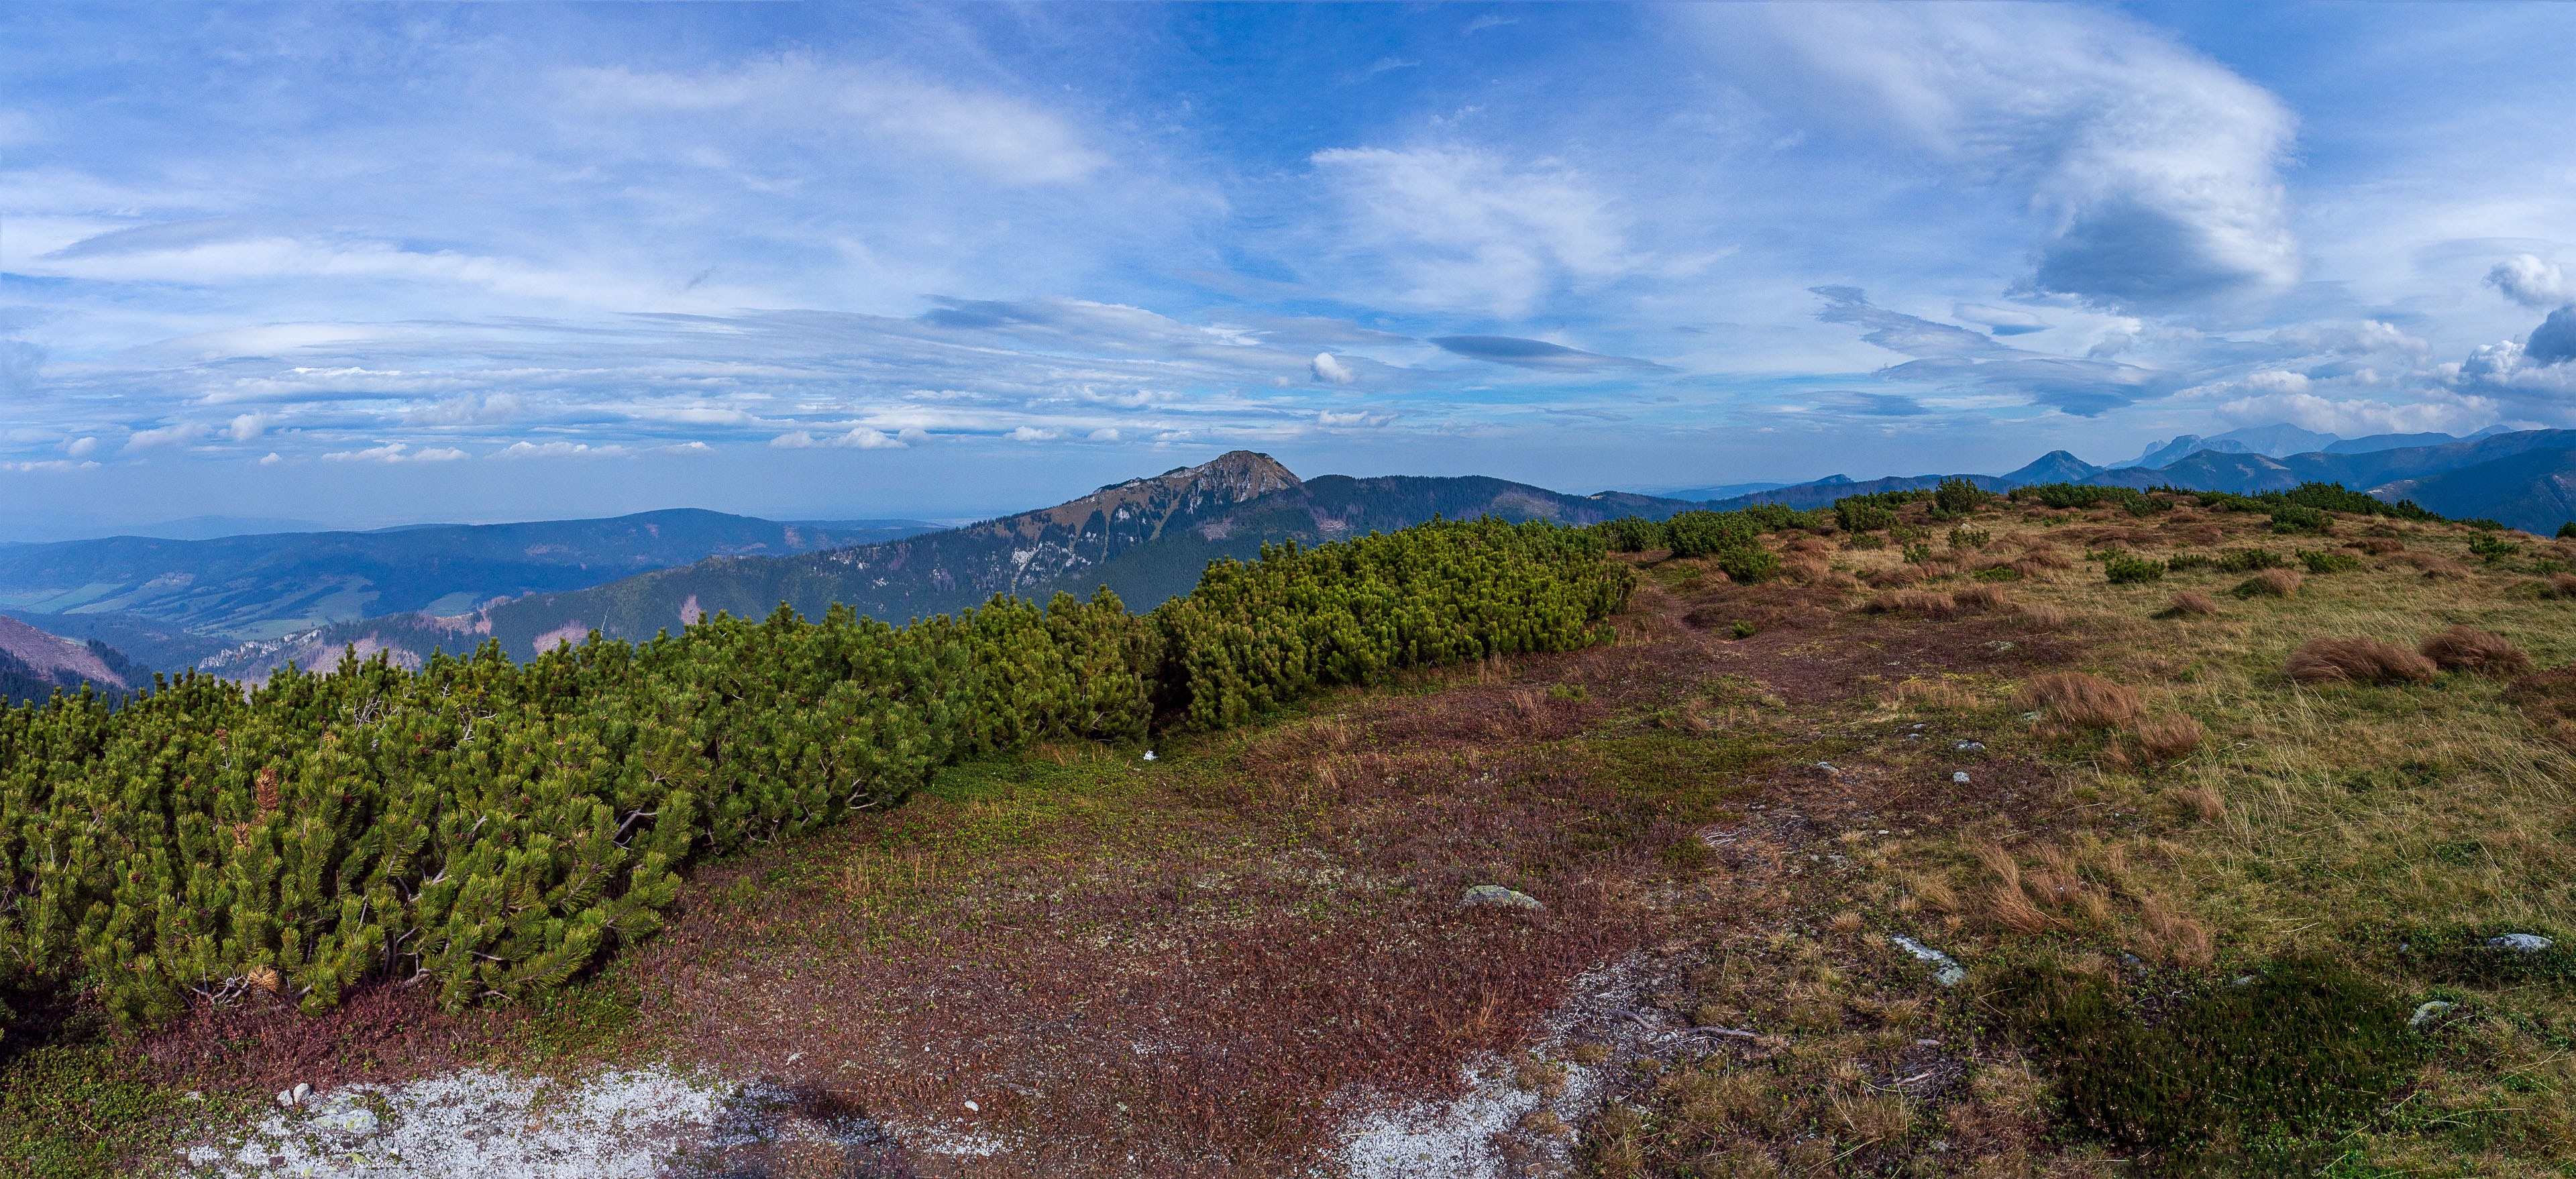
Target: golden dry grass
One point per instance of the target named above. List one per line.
(2043, 617)
(1921, 602)
(2359, 659)
(2079, 699)
(2276, 583)
(2466, 648)
(2169, 738)
(1983, 597)
(2187, 602)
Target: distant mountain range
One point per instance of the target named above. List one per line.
(1146, 539)
(2524, 479)
(2281, 440)
(242, 606)
(168, 603)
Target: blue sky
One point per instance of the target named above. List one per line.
(385, 263)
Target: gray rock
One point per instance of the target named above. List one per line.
(1959, 776)
(302, 1091)
(2521, 943)
(1945, 969)
(2428, 1013)
(354, 1122)
(1495, 894)
(1970, 746)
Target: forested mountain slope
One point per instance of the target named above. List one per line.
(246, 587)
(1147, 539)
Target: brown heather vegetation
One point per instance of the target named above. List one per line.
(2276, 583)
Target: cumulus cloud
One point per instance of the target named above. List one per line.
(2153, 167)
(558, 449)
(2002, 321)
(160, 436)
(1537, 354)
(271, 459)
(1034, 434)
(859, 438)
(81, 447)
(2527, 280)
(2554, 341)
(395, 452)
(1349, 418)
(1326, 368)
(248, 426)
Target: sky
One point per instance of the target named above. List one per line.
(382, 263)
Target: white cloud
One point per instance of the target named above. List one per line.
(81, 447)
(395, 452)
(1464, 228)
(270, 459)
(2154, 167)
(468, 410)
(162, 436)
(859, 438)
(1005, 138)
(1033, 434)
(248, 426)
(2527, 280)
(558, 449)
(1103, 435)
(2002, 321)
(1326, 368)
(2361, 338)
(1355, 417)
(2358, 417)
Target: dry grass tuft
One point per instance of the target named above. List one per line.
(2276, 583)
(2169, 738)
(2564, 583)
(1806, 570)
(1894, 576)
(2466, 648)
(2042, 617)
(1932, 694)
(2080, 699)
(2359, 660)
(1929, 605)
(2182, 939)
(1983, 597)
(2187, 602)
(2203, 800)
(2045, 558)
(2442, 568)
(2380, 546)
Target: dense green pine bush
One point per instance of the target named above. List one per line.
(1631, 534)
(2133, 570)
(488, 828)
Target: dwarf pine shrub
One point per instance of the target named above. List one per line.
(488, 828)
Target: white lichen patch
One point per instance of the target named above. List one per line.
(475, 1124)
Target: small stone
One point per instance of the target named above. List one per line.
(2428, 1013)
(1946, 970)
(2243, 980)
(1495, 894)
(357, 1123)
(286, 1097)
(1959, 776)
(2521, 943)
(302, 1091)
(971, 1107)
(1971, 746)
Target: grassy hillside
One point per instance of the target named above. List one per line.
(2198, 903)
